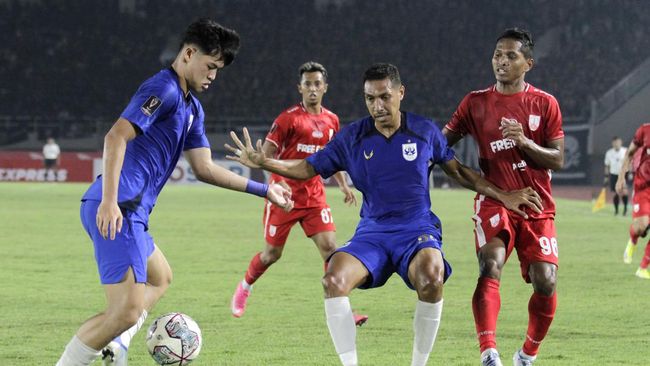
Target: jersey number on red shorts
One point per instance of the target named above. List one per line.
(549, 245)
(326, 215)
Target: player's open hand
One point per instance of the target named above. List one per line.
(244, 153)
(349, 198)
(280, 196)
(511, 129)
(527, 197)
(109, 219)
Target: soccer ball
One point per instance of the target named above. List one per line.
(174, 339)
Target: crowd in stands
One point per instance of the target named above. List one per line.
(78, 59)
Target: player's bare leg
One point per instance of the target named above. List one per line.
(426, 273)
(638, 229)
(541, 310)
(256, 268)
(159, 276)
(486, 301)
(326, 244)
(125, 302)
(344, 273)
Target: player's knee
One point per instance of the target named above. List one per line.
(271, 256)
(124, 318)
(544, 283)
(334, 285)
(430, 288)
(490, 267)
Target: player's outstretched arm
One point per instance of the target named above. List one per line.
(207, 171)
(513, 200)
(625, 167)
(548, 157)
(247, 155)
(109, 216)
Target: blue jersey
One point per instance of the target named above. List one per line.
(392, 173)
(168, 123)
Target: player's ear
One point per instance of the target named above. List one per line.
(188, 52)
(530, 62)
(402, 90)
(325, 88)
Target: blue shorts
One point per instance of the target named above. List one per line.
(385, 249)
(130, 248)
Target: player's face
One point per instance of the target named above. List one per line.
(312, 87)
(383, 100)
(508, 62)
(202, 69)
(617, 143)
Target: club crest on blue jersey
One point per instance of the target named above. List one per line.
(151, 105)
(410, 151)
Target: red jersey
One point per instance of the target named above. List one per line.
(502, 163)
(297, 134)
(642, 172)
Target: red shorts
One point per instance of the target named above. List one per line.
(535, 240)
(641, 203)
(278, 223)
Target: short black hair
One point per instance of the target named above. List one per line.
(523, 36)
(381, 71)
(312, 66)
(212, 38)
(616, 138)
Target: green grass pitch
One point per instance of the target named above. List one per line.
(49, 285)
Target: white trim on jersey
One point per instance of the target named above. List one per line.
(273, 142)
(266, 219)
(480, 234)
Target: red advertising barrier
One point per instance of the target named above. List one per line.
(28, 166)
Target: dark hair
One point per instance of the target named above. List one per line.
(212, 38)
(616, 138)
(382, 71)
(523, 36)
(312, 66)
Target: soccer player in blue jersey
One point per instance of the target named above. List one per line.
(388, 156)
(162, 120)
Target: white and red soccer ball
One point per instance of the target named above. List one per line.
(174, 339)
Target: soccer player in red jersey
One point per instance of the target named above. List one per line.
(297, 133)
(641, 198)
(518, 129)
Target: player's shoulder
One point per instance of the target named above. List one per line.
(164, 83)
(535, 91)
(357, 129)
(294, 110)
(480, 92)
(329, 113)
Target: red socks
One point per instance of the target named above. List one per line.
(646, 257)
(486, 303)
(541, 310)
(255, 269)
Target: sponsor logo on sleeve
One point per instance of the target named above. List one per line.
(151, 105)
